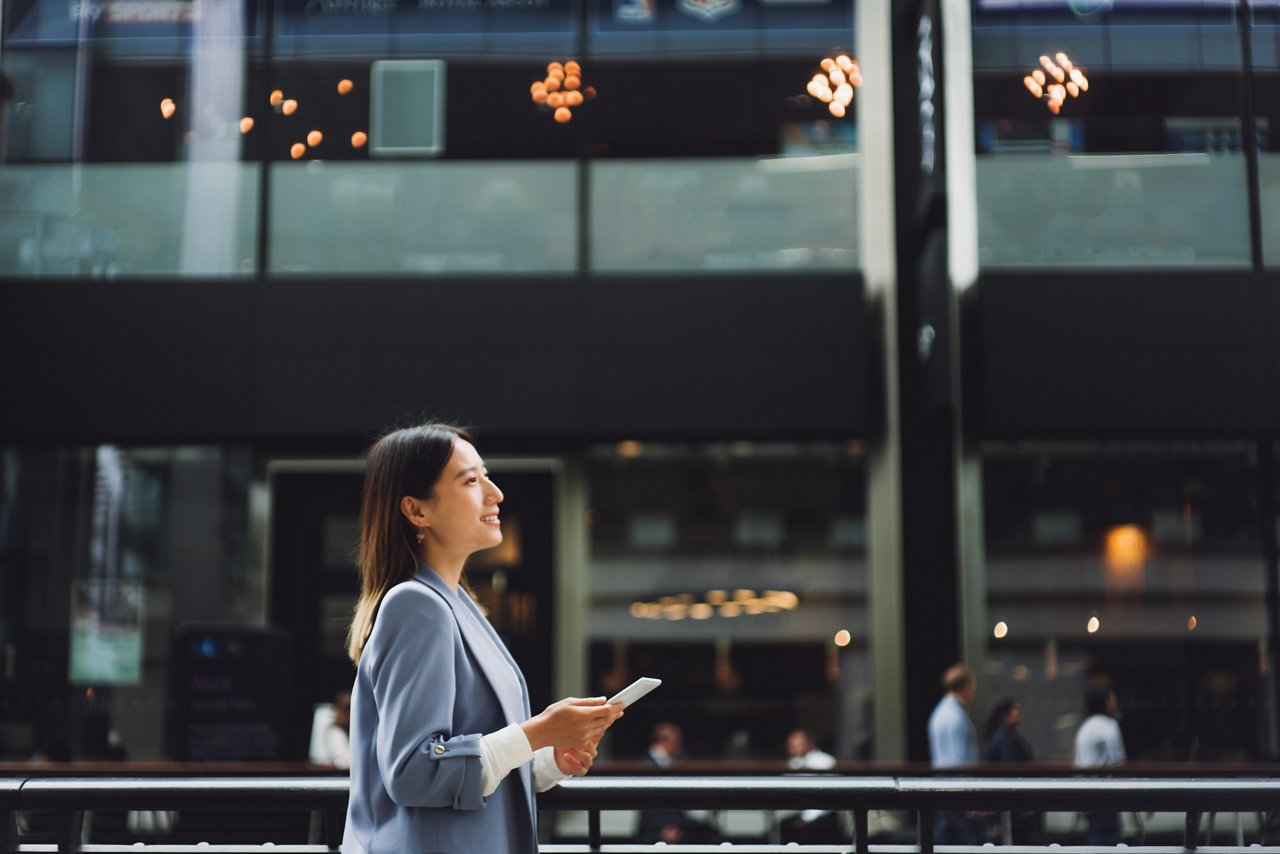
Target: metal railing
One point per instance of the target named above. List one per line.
(66, 802)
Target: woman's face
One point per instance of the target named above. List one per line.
(1013, 717)
(462, 512)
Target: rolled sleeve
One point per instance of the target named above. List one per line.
(546, 773)
(501, 753)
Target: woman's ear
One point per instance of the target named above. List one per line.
(414, 511)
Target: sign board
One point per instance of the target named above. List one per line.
(229, 693)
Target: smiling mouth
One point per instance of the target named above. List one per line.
(489, 519)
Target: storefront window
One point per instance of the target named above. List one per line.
(737, 574)
(104, 554)
(1136, 567)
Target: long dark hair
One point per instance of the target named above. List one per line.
(403, 462)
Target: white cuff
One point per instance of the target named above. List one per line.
(546, 773)
(501, 753)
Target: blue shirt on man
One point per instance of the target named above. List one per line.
(953, 739)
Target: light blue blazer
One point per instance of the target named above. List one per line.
(434, 677)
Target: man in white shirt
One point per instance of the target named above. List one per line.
(953, 742)
(811, 827)
(1099, 745)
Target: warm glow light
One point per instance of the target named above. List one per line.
(276, 97)
(715, 597)
(345, 86)
(1191, 623)
(835, 87)
(1093, 625)
(1061, 72)
(1126, 548)
(638, 610)
(314, 138)
(561, 90)
(289, 107)
(843, 637)
(1001, 629)
(701, 611)
(629, 448)
(297, 150)
(742, 594)
(358, 139)
(730, 609)
(246, 124)
(168, 108)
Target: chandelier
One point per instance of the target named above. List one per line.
(1054, 80)
(724, 603)
(834, 85)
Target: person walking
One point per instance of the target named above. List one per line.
(953, 742)
(445, 755)
(1099, 744)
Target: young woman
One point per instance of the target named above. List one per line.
(445, 756)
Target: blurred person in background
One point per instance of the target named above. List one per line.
(666, 746)
(1099, 744)
(953, 742)
(1006, 743)
(811, 827)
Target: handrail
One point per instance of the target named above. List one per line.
(70, 798)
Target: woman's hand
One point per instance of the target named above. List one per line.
(575, 761)
(574, 722)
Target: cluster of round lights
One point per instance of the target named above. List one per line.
(834, 85)
(723, 602)
(1055, 80)
(561, 90)
(289, 106)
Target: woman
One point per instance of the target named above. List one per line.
(1006, 743)
(444, 754)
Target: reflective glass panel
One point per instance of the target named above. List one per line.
(1136, 568)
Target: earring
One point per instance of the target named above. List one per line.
(422, 535)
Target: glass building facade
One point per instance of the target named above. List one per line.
(817, 345)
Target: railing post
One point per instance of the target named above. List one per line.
(8, 831)
(69, 827)
(924, 831)
(1191, 834)
(334, 824)
(861, 836)
(593, 829)
(1006, 828)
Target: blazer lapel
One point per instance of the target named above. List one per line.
(487, 651)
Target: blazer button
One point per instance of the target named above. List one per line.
(439, 750)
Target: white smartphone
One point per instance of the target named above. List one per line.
(635, 690)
